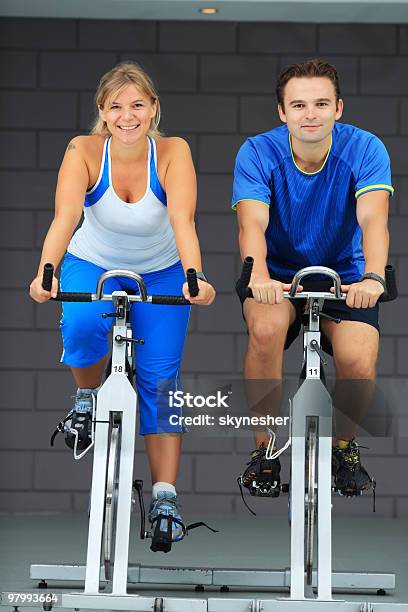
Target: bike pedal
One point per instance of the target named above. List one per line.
(162, 539)
(271, 492)
(160, 544)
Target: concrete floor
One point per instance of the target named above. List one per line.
(371, 544)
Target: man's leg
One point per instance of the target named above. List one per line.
(267, 328)
(355, 350)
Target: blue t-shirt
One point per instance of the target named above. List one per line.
(312, 216)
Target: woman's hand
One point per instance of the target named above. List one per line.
(39, 294)
(206, 293)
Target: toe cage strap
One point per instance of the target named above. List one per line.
(200, 524)
(239, 481)
(162, 539)
(169, 519)
(59, 428)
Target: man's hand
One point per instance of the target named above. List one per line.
(363, 294)
(269, 291)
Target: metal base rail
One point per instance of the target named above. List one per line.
(139, 574)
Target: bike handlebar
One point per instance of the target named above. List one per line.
(391, 284)
(191, 276)
(169, 300)
(390, 294)
(48, 274)
(316, 270)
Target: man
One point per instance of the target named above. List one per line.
(314, 192)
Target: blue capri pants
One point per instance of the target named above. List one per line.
(163, 328)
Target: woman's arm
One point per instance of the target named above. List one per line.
(181, 191)
(73, 180)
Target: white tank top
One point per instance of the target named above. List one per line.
(115, 234)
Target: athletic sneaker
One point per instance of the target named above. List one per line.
(262, 476)
(166, 503)
(80, 419)
(350, 477)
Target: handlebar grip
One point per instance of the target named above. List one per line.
(246, 271)
(391, 292)
(170, 300)
(192, 282)
(67, 296)
(242, 283)
(48, 274)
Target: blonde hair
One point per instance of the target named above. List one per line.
(113, 82)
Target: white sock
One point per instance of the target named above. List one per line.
(94, 391)
(163, 486)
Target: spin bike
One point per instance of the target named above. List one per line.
(107, 573)
(311, 431)
(112, 439)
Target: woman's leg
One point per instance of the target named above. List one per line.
(158, 361)
(90, 377)
(84, 334)
(163, 451)
(84, 331)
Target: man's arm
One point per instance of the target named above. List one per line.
(253, 219)
(372, 216)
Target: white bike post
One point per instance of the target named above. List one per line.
(116, 397)
(311, 401)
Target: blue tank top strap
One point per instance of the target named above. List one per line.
(102, 184)
(154, 179)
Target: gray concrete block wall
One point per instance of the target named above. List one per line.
(216, 83)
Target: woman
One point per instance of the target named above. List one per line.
(137, 190)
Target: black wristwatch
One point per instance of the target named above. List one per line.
(202, 276)
(374, 276)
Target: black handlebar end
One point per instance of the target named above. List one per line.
(48, 274)
(242, 283)
(391, 292)
(192, 282)
(246, 271)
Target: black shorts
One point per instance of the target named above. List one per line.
(334, 308)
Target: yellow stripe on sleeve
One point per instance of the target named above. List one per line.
(375, 188)
(234, 206)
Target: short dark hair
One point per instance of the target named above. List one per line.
(310, 68)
